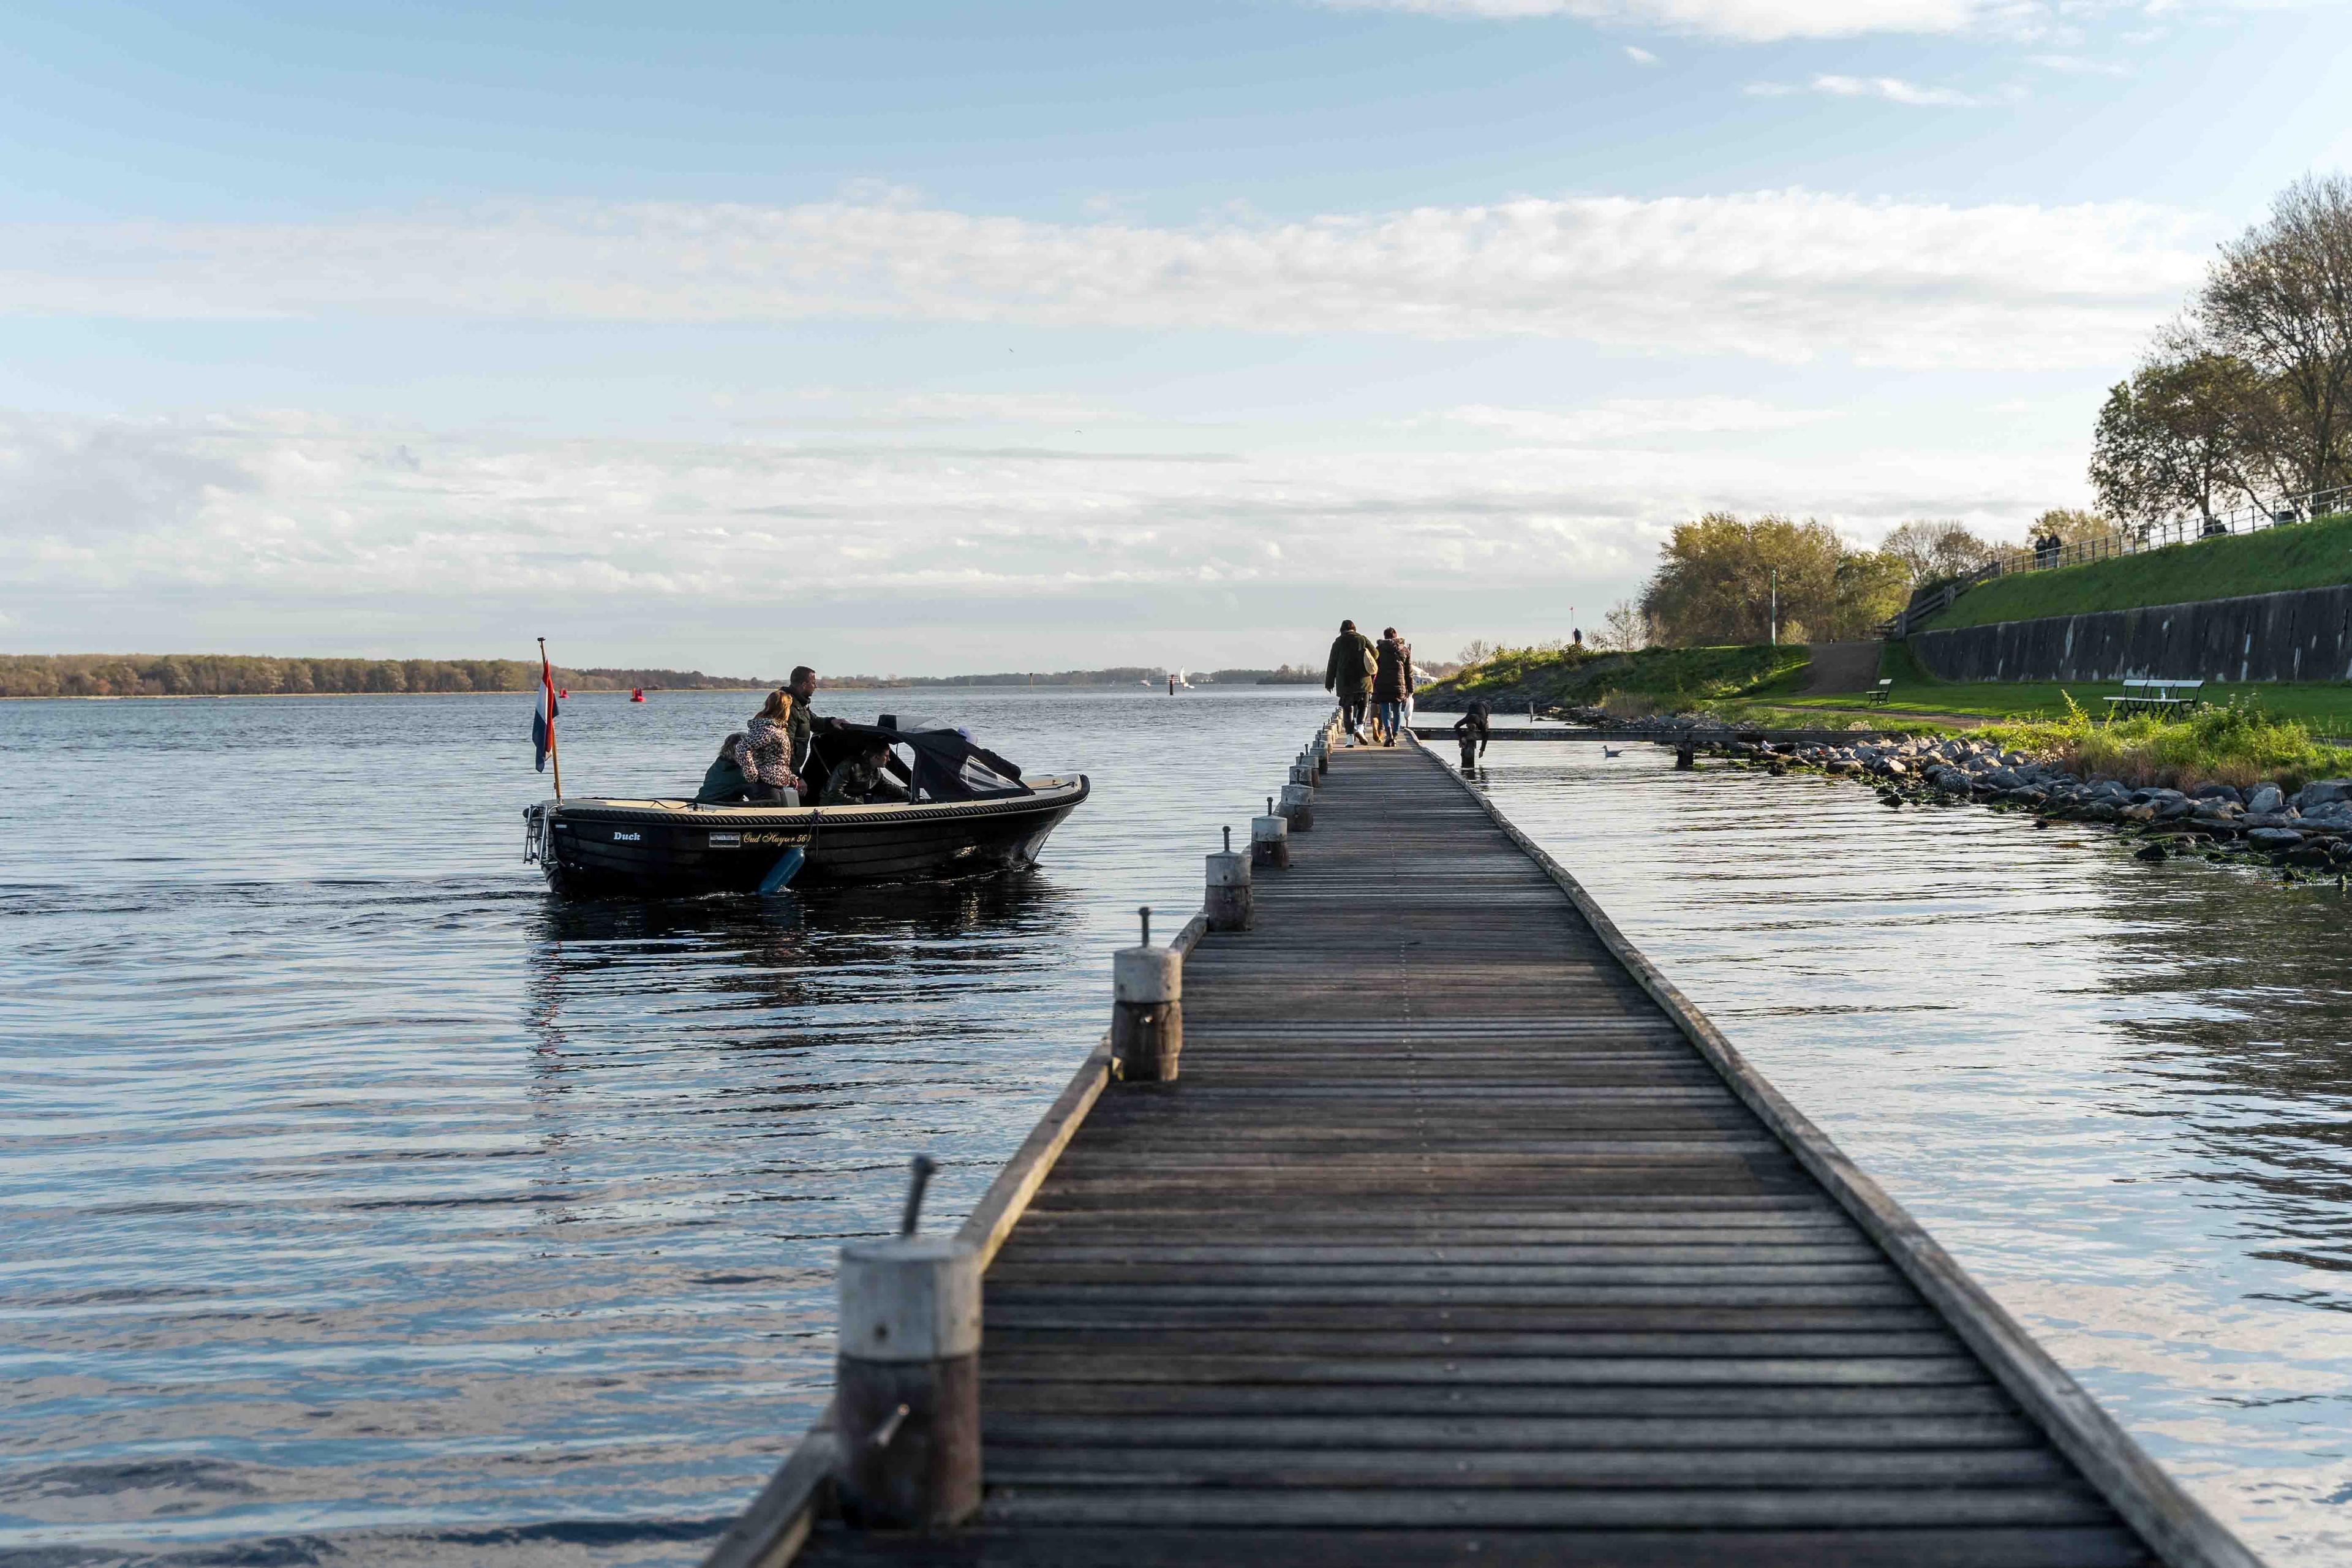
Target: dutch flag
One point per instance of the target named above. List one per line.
(542, 720)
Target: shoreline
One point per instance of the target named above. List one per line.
(2305, 834)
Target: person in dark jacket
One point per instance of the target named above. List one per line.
(1392, 684)
(1348, 674)
(1471, 730)
(725, 780)
(865, 779)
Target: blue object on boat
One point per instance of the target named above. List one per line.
(788, 866)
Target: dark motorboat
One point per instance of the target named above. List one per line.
(967, 810)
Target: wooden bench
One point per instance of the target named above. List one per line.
(2168, 696)
(1880, 692)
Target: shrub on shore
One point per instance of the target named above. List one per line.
(2240, 743)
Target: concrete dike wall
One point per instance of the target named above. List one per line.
(2301, 635)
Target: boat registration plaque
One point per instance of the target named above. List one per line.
(727, 841)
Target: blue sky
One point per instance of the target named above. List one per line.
(926, 337)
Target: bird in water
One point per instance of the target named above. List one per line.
(1607, 752)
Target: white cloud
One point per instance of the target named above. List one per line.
(1749, 20)
(1625, 419)
(1640, 56)
(1766, 21)
(1787, 275)
(1895, 90)
(276, 511)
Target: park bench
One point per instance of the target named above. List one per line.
(2168, 696)
(1880, 692)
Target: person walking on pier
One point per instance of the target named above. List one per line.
(1392, 685)
(1348, 674)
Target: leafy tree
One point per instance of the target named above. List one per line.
(1872, 586)
(2280, 299)
(1624, 629)
(2179, 436)
(1716, 582)
(1936, 551)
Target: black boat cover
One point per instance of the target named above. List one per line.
(949, 764)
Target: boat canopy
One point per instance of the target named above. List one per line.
(949, 764)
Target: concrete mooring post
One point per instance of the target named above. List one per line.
(1146, 1023)
(1297, 807)
(1269, 838)
(907, 1384)
(1229, 904)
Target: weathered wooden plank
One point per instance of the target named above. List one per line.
(1261, 1466)
(1171, 1365)
(1009, 1428)
(1560, 1508)
(1474, 1546)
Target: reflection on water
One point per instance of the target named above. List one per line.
(357, 1201)
(2118, 1091)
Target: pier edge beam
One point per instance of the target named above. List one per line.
(907, 1383)
(1146, 1023)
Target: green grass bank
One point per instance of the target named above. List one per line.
(2306, 555)
(1658, 677)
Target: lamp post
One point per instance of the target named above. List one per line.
(1776, 607)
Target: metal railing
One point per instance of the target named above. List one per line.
(2010, 559)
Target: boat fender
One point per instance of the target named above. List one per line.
(788, 866)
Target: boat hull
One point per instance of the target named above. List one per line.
(660, 849)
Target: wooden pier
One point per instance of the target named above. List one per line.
(1463, 1239)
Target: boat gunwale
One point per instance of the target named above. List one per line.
(678, 812)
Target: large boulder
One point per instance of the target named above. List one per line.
(2324, 791)
(2267, 798)
(2274, 837)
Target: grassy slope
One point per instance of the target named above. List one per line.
(1670, 675)
(2313, 555)
(2325, 706)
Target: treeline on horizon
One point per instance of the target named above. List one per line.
(247, 675)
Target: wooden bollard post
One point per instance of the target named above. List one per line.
(1322, 750)
(1269, 838)
(907, 1384)
(1299, 806)
(1229, 905)
(1686, 758)
(1146, 1023)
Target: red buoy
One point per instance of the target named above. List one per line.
(637, 694)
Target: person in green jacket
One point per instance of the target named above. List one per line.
(724, 780)
(1348, 674)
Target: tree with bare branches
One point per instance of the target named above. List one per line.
(2280, 299)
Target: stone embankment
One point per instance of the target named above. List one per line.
(2308, 831)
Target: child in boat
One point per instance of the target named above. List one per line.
(724, 779)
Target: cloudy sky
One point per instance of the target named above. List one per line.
(929, 337)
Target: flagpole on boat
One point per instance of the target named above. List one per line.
(547, 695)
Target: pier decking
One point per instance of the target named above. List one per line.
(1463, 1239)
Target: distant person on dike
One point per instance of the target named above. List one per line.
(1348, 674)
(1471, 729)
(766, 753)
(1392, 685)
(724, 780)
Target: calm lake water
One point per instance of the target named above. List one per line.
(357, 1202)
